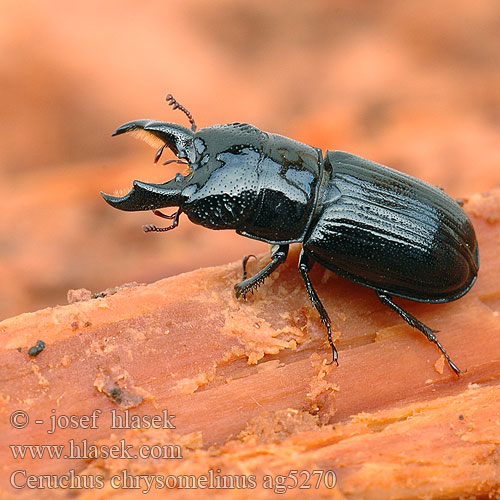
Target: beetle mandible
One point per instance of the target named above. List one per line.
(366, 222)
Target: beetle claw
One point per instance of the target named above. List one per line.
(334, 360)
(238, 290)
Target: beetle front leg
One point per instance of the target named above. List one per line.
(412, 321)
(305, 265)
(278, 256)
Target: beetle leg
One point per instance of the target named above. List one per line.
(305, 265)
(412, 321)
(278, 256)
(244, 266)
(151, 227)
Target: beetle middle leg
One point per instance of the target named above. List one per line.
(412, 321)
(278, 256)
(305, 265)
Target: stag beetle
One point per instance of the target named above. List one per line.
(366, 222)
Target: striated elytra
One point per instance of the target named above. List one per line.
(366, 222)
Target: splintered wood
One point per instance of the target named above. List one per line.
(178, 387)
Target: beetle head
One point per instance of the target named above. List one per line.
(234, 146)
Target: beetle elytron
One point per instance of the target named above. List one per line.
(368, 223)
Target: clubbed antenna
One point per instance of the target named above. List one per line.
(152, 228)
(175, 105)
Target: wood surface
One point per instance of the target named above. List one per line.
(251, 391)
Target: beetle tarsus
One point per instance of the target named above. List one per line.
(305, 265)
(412, 321)
(278, 256)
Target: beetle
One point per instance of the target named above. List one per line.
(37, 348)
(366, 222)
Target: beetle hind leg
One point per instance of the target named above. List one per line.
(278, 256)
(305, 265)
(244, 274)
(412, 321)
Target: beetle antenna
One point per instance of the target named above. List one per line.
(165, 216)
(175, 105)
(152, 228)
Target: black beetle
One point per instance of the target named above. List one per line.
(37, 348)
(368, 223)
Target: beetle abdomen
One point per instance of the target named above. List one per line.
(391, 232)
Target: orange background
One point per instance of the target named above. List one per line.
(414, 85)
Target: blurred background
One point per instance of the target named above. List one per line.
(413, 85)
